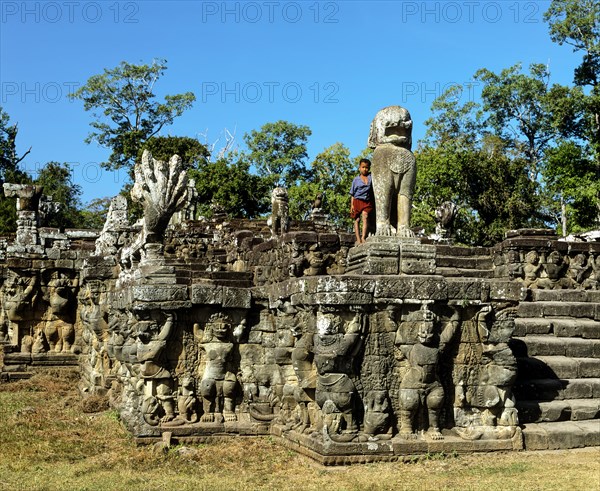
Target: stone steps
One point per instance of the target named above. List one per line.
(557, 345)
(576, 310)
(451, 272)
(561, 435)
(558, 326)
(563, 410)
(559, 367)
(548, 389)
(540, 345)
(464, 262)
(592, 296)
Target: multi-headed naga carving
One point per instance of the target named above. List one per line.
(161, 187)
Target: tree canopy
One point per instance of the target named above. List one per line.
(57, 181)
(526, 154)
(9, 171)
(278, 152)
(125, 110)
(228, 183)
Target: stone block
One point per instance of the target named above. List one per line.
(81, 234)
(204, 294)
(412, 287)
(375, 257)
(255, 337)
(464, 289)
(160, 293)
(507, 290)
(589, 367)
(53, 253)
(591, 432)
(561, 366)
(535, 437)
(324, 284)
(555, 309)
(340, 298)
(583, 328)
(554, 411)
(564, 435)
(18, 263)
(64, 263)
(580, 348)
(584, 409)
(580, 388)
(237, 298)
(346, 240)
(328, 240)
(524, 327)
(301, 237)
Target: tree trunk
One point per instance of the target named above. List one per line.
(563, 215)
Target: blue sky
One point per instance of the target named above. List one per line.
(330, 65)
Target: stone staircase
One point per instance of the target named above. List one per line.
(464, 262)
(557, 345)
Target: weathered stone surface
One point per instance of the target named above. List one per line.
(236, 298)
(574, 347)
(412, 287)
(558, 309)
(161, 187)
(204, 294)
(160, 293)
(222, 329)
(393, 170)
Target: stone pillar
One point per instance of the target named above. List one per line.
(28, 198)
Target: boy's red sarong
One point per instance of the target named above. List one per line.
(359, 206)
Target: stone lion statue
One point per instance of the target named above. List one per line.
(393, 170)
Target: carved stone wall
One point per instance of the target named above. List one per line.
(347, 353)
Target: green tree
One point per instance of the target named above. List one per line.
(452, 123)
(330, 175)
(572, 183)
(493, 191)
(125, 111)
(278, 152)
(192, 152)
(9, 171)
(93, 215)
(575, 166)
(526, 112)
(577, 23)
(57, 181)
(228, 183)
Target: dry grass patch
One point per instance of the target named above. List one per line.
(47, 442)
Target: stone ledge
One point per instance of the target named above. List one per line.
(328, 452)
(561, 435)
(554, 411)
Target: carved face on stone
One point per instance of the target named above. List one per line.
(392, 124)
(279, 194)
(532, 257)
(425, 334)
(555, 257)
(220, 326)
(327, 324)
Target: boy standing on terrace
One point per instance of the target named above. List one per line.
(361, 204)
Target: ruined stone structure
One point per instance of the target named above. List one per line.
(348, 354)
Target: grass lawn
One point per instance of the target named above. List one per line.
(48, 443)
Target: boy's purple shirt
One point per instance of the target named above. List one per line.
(360, 190)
